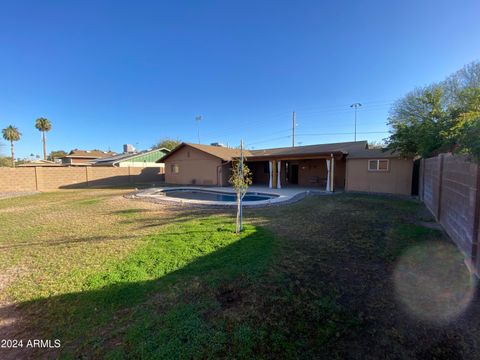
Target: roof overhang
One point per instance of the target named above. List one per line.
(326, 155)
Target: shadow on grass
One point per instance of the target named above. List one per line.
(155, 304)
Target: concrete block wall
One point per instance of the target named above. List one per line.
(51, 178)
(19, 179)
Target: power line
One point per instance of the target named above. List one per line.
(318, 134)
(315, 110)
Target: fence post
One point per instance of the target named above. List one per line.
(36, 178)
(421, 180)
(86, 174)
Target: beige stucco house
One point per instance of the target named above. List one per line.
(349, 166)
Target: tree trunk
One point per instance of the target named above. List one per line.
(239, 209)
(44, 146)
(12, 149)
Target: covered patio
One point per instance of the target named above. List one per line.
(323, 172)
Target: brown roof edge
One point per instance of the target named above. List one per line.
(222, 153)
(376, 153)
(166, 156)
(227, 154)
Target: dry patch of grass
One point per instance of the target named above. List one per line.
(118, 278)
(54, 235)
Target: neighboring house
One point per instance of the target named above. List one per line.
(39, 162)
(84, 157)
(147, 158)
(349, 165)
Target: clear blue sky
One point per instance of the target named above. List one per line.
(113, 72)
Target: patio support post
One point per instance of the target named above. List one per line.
(270, 169)
(332, 180)
(328, 175)
(279, 184)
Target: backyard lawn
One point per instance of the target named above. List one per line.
(343, 276)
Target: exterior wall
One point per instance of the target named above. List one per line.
(44, 178)
(397, 180)
(77, 160)
(195, 168)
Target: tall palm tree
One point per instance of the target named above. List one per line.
(44, 125)
(11, 133)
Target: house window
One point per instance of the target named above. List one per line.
(378, 165)
(174, 168)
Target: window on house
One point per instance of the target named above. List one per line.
(174, 168)
(378, 165)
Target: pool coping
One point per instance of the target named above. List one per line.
(282, 198)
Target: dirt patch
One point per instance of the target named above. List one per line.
(228, 297)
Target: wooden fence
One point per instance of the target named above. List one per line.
(51, 178)
(449, 186)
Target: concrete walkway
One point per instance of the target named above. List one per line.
(284, 195)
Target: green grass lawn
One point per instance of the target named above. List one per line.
(117, 278)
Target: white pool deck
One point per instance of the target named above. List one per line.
(285, 195)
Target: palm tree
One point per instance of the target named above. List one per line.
(11, 133)
(43, 125)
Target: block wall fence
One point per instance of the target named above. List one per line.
(449, 186)
(52, 178)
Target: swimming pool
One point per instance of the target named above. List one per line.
(209, 195)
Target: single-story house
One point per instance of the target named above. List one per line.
(84, 157)
(351, 166)
(146, 158)
(39, 162)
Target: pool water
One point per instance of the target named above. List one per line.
(214, 195)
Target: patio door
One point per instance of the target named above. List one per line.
(293, 175)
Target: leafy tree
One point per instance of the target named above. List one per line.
(11, 133)
(376, 145)
(44, 125)
(167, 143)
(440, 117)
(56, 154)
(240, 180)
(5, 162)
(464, 134)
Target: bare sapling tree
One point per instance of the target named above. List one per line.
(240, 180)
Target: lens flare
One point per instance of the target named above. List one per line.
(433, 283)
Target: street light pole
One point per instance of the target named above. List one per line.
(355, 106)
(198, 119)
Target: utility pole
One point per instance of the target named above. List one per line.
(241, 176)
(293, 129)
(355, 106)
(198, 119)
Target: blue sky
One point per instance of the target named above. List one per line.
(113, 72)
